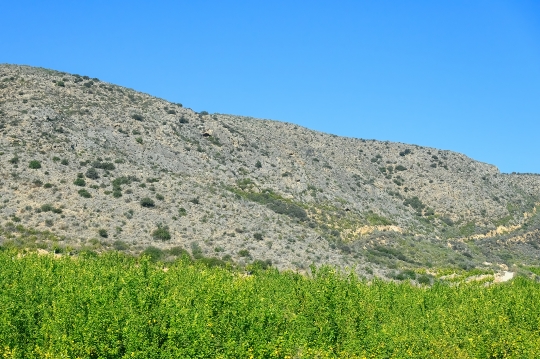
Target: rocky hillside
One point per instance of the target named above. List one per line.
(102, 166)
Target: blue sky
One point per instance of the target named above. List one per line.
(456, 75)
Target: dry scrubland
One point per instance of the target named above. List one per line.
(104, 167)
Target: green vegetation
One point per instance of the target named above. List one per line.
(272, 200)
(79, 182)
(115, 306)
(161, 233)
(84, 193)
(92, 173)
(34, 164)
(147, 202)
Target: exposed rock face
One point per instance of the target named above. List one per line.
(244, 188)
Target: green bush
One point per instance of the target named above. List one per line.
(161, 233)
(159, 197)
(46, 207)
(64, 162)
(14, 160)
(79, 182)
(179, 252)
(244, 253)
(84, 193)
(182, 212)
(104, 165)
(154, 253)
(120, 245)
(103, 233)
(137, 117)
(147, 202)
(92, 173)
(34, 164)
(258, 236)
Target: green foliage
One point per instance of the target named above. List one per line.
(161, 233)
(244, 253)
(272, 200)
(103, 165)
(92, 173)
(64, 162)
(155, 254)
(258, 164)
(103, 233)
(14, 160)
(147, 202)
(182, 212)
(116, 306)
(375, 220)
(137, 117)
(405, 152)
(139, 140)
(258, 236)
(79, 182)
(84, 193)
(34, 164)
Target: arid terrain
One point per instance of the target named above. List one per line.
(86, 164)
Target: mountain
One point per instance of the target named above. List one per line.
(86, 164)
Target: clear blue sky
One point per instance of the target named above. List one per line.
(456, 75)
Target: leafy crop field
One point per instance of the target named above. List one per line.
(115, 306)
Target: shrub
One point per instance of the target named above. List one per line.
(64, 162)
(137, 117)
(161, 233)
(103, 165)
(182, 212)
(139, 140)
(260, 264)
(400, 168)
(258, 164)
(147, 202)
(244, 253)
(92, 173)
(154, 253)
(14, 160)
(117, 193)
(159, 197)
(120, 245)
(84, 193)
(183, 120)
(79, 182)
(212, 262)
(258, 236)
(103, 233)
(179, 252)
(47, 185)
(46, 207)
(203, 113)
(56, 159)
(194, 200)
(404, 153)
(34, 164)
(424, 279)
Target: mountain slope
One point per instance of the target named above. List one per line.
(118, 168)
